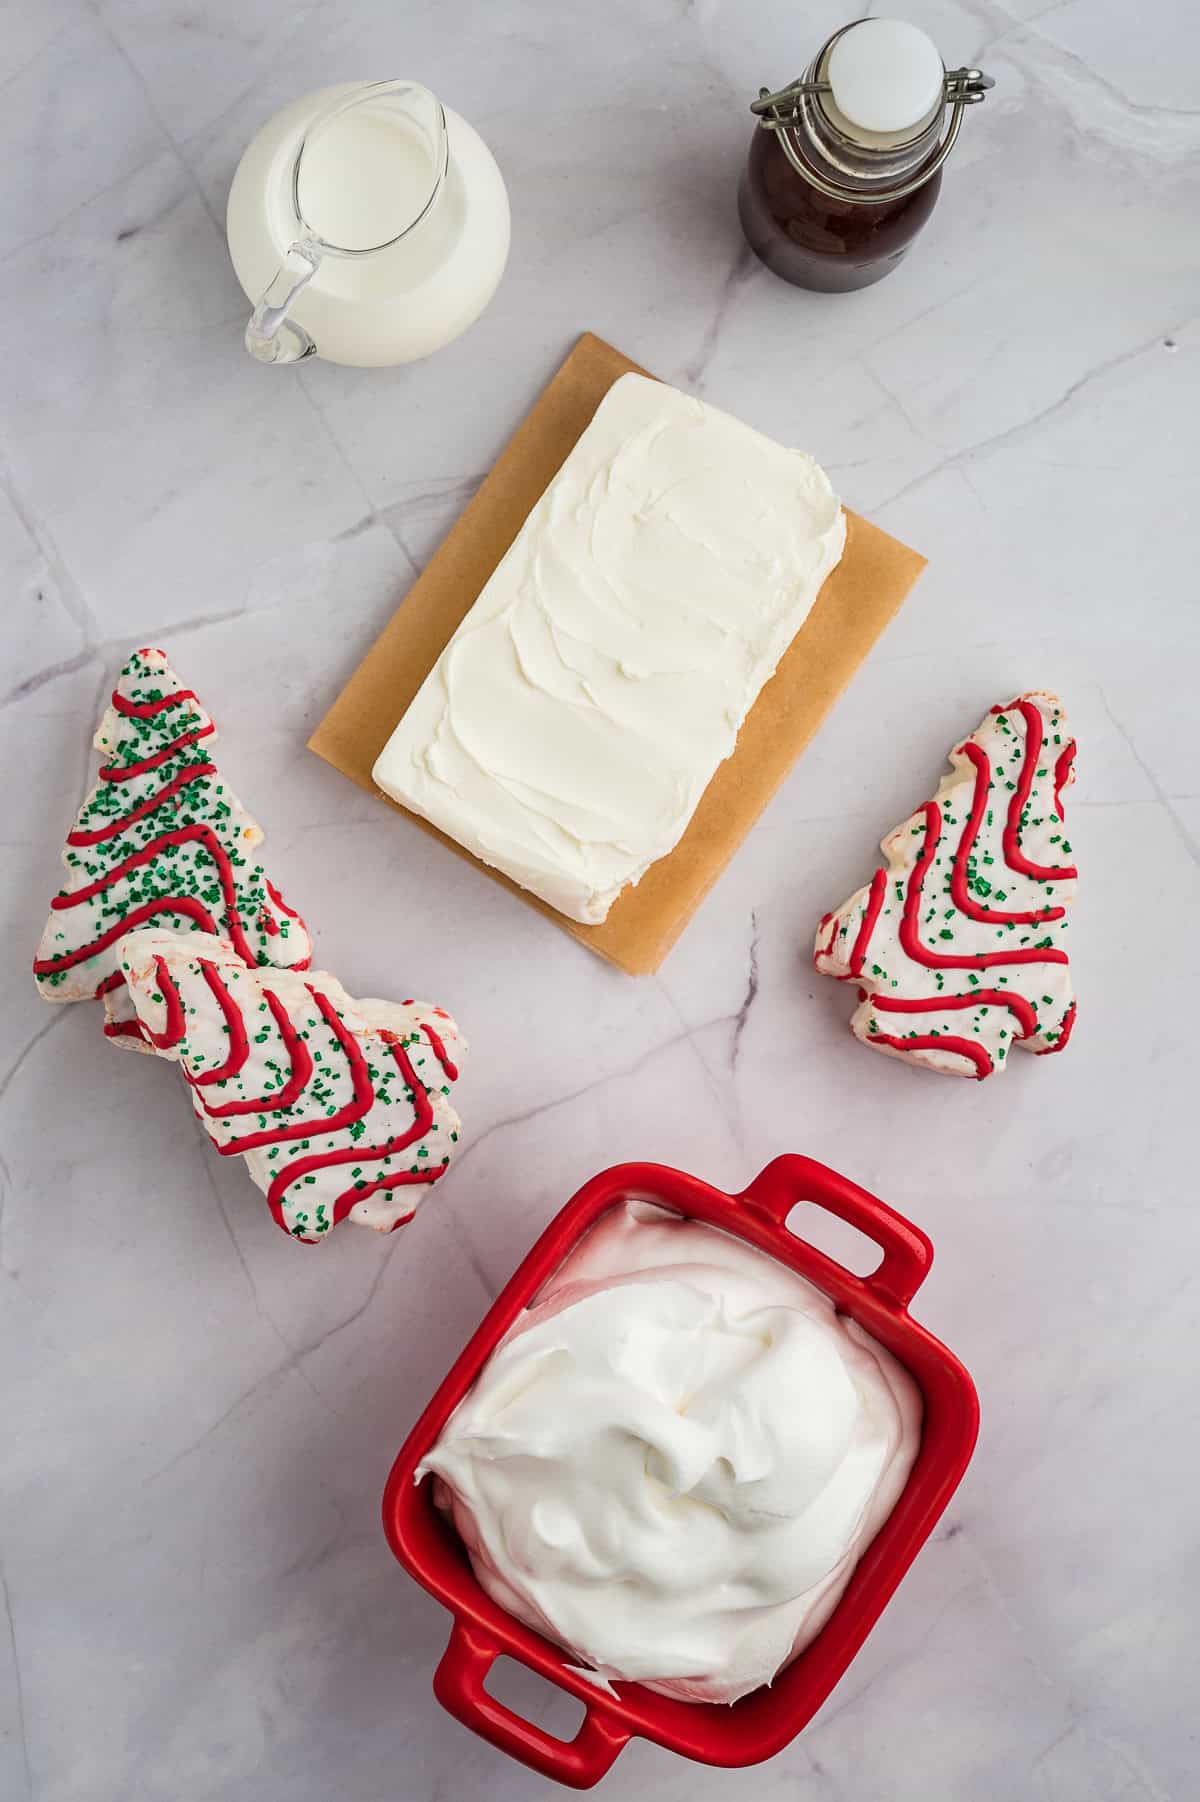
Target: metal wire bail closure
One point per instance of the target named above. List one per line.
(780, 112)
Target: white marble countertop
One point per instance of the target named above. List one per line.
(198, 1417)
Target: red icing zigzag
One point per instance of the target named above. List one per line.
(1000, 806)
(275, 1061)
(160, 839)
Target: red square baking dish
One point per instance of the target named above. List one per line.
(762, 1723)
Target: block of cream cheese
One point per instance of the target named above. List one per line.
(570, 727)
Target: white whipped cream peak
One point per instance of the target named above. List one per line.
(570, 727)
(675, 1458)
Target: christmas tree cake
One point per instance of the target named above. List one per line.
(958, 943)
(340, 1108)
(161, 839)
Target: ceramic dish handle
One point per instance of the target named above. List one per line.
(907, 1253)
(458, 1685)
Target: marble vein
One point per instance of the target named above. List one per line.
(113, 651)
(39, 533)
(214, 1427)
(10, 1076)
(64, 221)
(450, 490)
(294, 1354)
(372, 515)
(850, 1704)
(160, 119)
(1142, 109)
(18, 1685)
(742, 271)
(339, 1326)
(912, 320)
(1017, 433)
(525, 1116)
(751, 995)
(30, 1046)
(1164, 799)
(67, 666)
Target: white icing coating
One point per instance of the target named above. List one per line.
(391, 1164)
(157, 780)
(674, 1460)
(1017, 995)
(120, 1013)
(570, 727)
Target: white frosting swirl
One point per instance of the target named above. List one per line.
(570, 727)
(673, 1462)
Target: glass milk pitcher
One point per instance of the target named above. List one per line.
(369, 225)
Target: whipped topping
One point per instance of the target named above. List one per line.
(676, 1457)
(570, 727)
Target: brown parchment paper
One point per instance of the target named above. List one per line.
(852, 609)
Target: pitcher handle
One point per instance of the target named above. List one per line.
(271, 336)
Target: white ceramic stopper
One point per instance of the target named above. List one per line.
(885, 75)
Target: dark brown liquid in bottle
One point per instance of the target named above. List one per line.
(816, 242)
